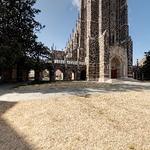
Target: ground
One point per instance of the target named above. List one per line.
(75, 115)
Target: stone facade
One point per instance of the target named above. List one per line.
(101, 40)
(99, 47)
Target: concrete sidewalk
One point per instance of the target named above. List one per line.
(57, 90)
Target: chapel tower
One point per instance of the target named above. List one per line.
(102, 39)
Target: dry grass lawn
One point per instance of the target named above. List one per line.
(104, 121)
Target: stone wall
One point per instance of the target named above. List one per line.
(102, 26)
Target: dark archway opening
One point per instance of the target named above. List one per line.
(115, 68)
(83, 75)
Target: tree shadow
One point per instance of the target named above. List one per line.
(75, 88)
(9, 138)
(5, 87)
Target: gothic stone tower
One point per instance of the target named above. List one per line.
(103, 37)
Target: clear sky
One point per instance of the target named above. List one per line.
(59, 16)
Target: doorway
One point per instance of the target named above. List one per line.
(115, 68)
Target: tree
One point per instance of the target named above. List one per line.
(40, 56)
(18, 29)
(146, 67)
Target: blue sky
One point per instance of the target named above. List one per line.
(59, 16)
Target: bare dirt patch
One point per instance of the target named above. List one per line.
(114, 120)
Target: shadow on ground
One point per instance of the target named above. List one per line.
(75, 88)
(9, 138)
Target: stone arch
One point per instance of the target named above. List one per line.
(45, 75)
(59, 74)
(118, 57)
(31, 75)
(71, 75)
(116, 68)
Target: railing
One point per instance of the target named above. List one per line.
(68, 62)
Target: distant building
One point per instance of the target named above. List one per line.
(141, 62)
(137, 69)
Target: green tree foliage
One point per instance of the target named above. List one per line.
(18, 29)
(40, 56)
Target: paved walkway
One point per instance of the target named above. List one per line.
(10, 92)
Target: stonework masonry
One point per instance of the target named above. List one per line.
(101, 40)
(99, 48)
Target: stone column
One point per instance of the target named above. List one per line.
(104, 61)
(52, 72)
(104, 40)
(92, 43)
